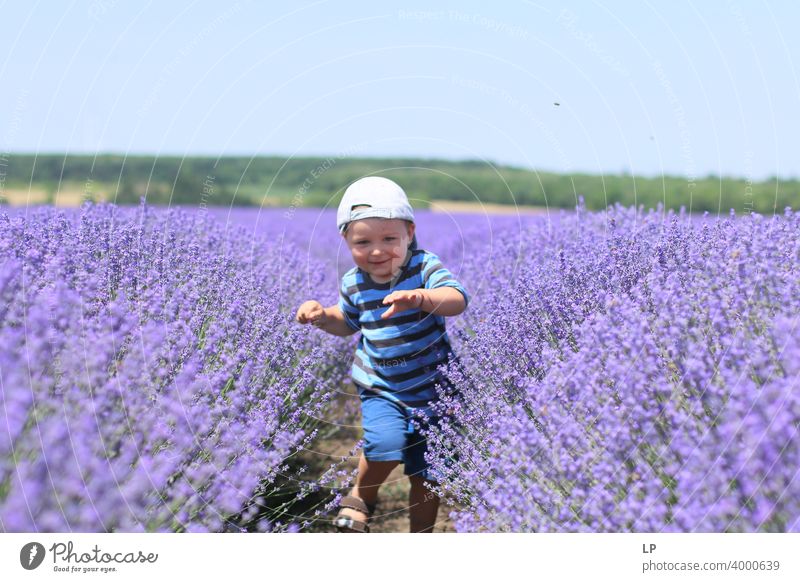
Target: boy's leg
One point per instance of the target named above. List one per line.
(423, 506)
(371, 474)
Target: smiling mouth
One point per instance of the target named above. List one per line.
(380, 262)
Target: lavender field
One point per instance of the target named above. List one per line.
(625, 370)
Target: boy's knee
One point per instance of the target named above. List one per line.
(388, 447)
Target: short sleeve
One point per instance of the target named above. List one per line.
(347, 308)
(435, 275)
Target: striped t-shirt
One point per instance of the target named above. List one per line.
(397, 357)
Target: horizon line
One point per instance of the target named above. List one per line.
(491, 163)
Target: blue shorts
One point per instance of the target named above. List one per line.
(389, 435)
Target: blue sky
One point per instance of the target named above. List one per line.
(647, 88)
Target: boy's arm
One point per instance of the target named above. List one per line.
(443, 293)
(446, 301)
(334, 322)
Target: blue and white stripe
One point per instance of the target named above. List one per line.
(397, 357)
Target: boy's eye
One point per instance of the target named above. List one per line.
(390, 238)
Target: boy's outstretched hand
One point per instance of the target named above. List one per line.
(311, 312)
(402, 300)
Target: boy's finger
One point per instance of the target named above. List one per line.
(402, 295)
(388, 312)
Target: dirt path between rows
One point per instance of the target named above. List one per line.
(391, 514)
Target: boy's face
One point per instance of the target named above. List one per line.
(379, 245)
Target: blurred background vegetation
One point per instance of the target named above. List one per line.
(68, 180)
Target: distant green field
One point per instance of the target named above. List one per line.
(275, 181)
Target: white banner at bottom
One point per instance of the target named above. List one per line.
(288, 557)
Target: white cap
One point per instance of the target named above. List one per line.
(385, 198)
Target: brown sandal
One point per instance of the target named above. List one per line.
(345, 523)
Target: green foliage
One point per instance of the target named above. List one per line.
(321, 181)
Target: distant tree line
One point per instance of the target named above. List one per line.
(243, 181)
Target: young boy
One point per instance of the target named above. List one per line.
(397, 296)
